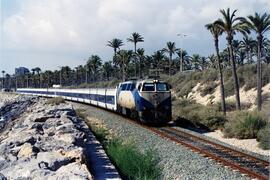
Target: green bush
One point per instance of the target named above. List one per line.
(229, 87)
(183, 91)
(55, 101)
(81, 113)
(209, 75)
(209, 88)
(100, 132)
(263, 137)
(132, 163)
(231, 105)
(244, 125)
(198, 114)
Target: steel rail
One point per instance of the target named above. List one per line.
(218, 159)
(264, 162)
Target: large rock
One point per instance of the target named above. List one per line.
(67, 138)
(72, 171)
(74, 155)
(27, 150)
(52, 160)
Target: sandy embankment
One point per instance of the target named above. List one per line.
(246, 97)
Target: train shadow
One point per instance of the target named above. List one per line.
(187, 124)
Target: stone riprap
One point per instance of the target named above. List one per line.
(12, 106)
(7, 97)
(45, 142)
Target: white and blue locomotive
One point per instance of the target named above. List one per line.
(146, 100)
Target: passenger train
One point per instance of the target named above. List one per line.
(149, 100)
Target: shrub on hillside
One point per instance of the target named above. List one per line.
(198, 114)
(229, 87)
(263, 137)
(265, 74)
(183, 91)
(231, 105)
(244, 125)
(209, 75)
(209, 88)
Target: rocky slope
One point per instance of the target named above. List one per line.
(7, 97)
(45, 142)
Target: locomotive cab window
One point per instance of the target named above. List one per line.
(124, 87)
(148, 87)
(162, 87)
(132, 87)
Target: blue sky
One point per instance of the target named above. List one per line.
(53, 33)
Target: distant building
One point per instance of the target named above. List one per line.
(21, 71)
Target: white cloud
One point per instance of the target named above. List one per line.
(85, 26)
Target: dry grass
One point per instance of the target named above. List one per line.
(55, 101)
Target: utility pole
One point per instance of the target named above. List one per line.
(181, 52)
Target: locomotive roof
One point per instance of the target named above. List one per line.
(143, 81)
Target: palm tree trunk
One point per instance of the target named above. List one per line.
(259, 74)
(181, 60)
(234, 73)
(222, 91)
(140, 68)
(170, 64)
(135, 62)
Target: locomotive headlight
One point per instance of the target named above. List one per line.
(155, 81)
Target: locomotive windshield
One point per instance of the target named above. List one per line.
(162, 87)
(155, 86)
(148, 87)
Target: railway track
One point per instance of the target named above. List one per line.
(246, 164)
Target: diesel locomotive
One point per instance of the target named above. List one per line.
(149, 100)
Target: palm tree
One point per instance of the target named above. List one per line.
(65, 75)
(195, 60)
(216, 32)
(140, 53)
(115, 44)
(260, 24)
(247, 43)
(94, 63)
(158, 59)
(123, 59)
(3, 80)
(213, 61)
(38, 70)
(230, 24)
(183, 55)
(135, 38)
(170, 49)
(107, 69)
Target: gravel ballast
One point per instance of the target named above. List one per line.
(177, 162)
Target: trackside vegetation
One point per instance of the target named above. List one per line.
(55, 101)
(131, 163)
